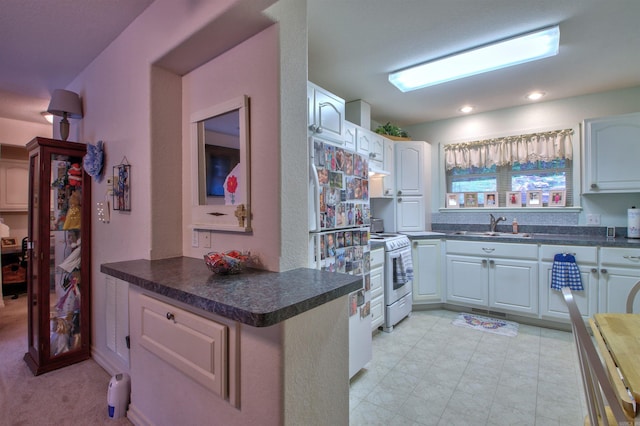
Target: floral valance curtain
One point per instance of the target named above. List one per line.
(545, 146)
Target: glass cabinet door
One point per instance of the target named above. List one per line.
(65, 254)
(59, 259)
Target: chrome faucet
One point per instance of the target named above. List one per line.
(494, 222)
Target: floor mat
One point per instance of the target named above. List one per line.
(490, 325)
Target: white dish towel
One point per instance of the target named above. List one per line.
(403, 269)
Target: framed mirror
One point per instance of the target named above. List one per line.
(221, 151)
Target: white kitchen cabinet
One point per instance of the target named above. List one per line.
(194, 345)
(552, 304)
(14, 185)
(364, 139)
(611, 147)
(467, 280)
(382, 185)
(492, 275)
(376, 151)
(426, 256)
(388, 181)
(410, 213)
(326, 114)
(377, 288)
(411, 166)
(350, 135)
(619, 271)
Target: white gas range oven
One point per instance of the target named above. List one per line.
(398, 277)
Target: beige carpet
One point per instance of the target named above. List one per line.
(74, 395)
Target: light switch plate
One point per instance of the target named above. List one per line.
(205, 236)
(194, 238)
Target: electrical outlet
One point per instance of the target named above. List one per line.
(593, 219)
(194, 238)
(206, 239)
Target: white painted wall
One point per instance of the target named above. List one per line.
(563, 113)
(116, 89)
(18, 132)
(249, 69)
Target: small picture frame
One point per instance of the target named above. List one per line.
(557, 198)
(491, 199)
(534, 198)
(9, 242)
(514, 199)
(453, 200)
(470, 199)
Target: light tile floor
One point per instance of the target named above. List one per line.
(430, 372)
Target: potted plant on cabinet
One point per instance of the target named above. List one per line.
(393, 132)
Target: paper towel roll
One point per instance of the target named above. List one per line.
(633, 223)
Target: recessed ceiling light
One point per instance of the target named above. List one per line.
(534, 96)
(466, 109)
(501, 54)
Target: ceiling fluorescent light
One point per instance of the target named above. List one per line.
(505, 53)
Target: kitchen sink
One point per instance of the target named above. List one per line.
(493, 234)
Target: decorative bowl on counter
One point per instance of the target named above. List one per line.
(230, 262)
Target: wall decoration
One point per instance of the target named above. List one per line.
(557, 198)
(9, 242)
(514, 199)
(491, 199)
(470, 199)
(93, 160)
(453, 201)
(122, 186)
(534, 198)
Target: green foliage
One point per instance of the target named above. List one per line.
(391, 130)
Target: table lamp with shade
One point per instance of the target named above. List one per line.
(65, 104)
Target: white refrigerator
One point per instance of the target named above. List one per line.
(339, 218)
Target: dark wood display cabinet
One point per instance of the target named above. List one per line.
(58, 256)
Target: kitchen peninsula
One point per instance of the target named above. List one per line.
(259, 347)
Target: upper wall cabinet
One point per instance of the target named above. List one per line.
(612, 145)
(350, 135)
(14, 185)
(325, 114)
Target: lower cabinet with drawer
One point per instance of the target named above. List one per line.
(502, 276)
(194, 345)
(552, 304)
(184, 366)
(619, 271)
(377, 288)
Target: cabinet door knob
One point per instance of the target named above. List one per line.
(399, 192)
(594, 185)
(594, 270)
(492, 262)
(400, 199)
(604, 271)
(171, 317)
(484, 262)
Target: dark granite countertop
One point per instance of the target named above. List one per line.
(564, 236)
(254, 297)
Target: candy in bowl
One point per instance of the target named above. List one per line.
(230, 262)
